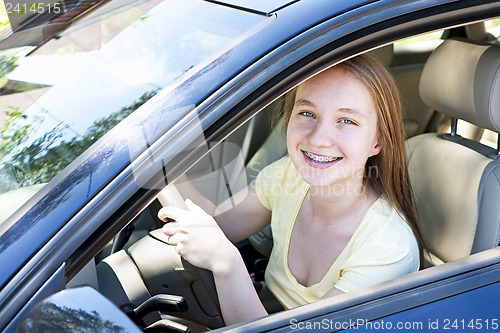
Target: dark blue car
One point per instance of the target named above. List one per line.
(108, 106)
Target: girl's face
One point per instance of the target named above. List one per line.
(333, 129)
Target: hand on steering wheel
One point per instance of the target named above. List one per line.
(197, 237)
(170, 196)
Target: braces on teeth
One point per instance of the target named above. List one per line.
(320, 159)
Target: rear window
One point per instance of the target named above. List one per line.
(493, 28)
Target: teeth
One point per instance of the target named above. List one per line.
(320, 159)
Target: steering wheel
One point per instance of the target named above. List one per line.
(151, 267)
(170, 196)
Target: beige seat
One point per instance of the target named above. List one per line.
(456, 181)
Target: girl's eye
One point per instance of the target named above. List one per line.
(347, 122)
(307, 114)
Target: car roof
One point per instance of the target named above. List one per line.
(265, 7)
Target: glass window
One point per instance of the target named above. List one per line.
(58, 98)
(421, 43)
(493, 28)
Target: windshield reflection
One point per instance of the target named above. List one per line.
(77, 310)
(58, 99)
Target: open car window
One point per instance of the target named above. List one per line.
(226, 168)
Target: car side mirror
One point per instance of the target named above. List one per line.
(81, 309)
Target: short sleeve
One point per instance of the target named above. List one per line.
(389, 253)
(360, 273)
(268, 180)
(262, 185)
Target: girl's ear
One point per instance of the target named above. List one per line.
(377, 147)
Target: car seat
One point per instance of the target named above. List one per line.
(456, 181)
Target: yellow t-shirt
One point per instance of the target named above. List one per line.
(382, 248)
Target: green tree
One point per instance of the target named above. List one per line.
(7, 64)
(48, 155)
(15, 129)
(61, 319)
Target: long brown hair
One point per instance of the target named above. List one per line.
(391, 172)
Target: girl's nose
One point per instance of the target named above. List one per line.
(322, 134)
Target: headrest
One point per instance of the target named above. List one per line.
(461, 78)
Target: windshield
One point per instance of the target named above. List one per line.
(59, 98)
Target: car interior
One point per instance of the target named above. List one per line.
(450, 89)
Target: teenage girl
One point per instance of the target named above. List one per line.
(340, 203)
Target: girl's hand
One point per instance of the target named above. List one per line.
(198, 238)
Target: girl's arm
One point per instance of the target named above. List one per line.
(246, 218)
(239, 217)
(239, 301)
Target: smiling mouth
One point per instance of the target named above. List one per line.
(321, 158)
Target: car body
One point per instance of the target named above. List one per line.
(267, 48)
